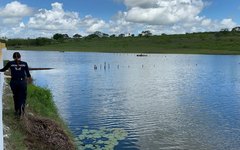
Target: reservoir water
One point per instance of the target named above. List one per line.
(162, 101)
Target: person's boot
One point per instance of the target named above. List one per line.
(16, 114)
(22, 112)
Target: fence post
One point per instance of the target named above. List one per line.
(2, 45)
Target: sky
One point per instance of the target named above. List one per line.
(43, 18)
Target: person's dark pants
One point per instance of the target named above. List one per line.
(19, 89)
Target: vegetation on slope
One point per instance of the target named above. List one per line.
(223, 42)
(40, 128)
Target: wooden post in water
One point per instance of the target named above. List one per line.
(105, 65)
(95, 67)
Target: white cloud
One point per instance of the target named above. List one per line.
(14, 12)
(48, 22)
(90, 24)
(55, 19)
(15, 31)
(141, 3)
(15, 9)
(162, 12)
(96, 26)
(119, 25)
(169, 16)
(196, 24)
(206, 22)
(228, 23)
(10, 21)
(22, 25)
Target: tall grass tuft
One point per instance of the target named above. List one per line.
(40, 101)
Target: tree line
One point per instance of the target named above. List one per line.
(59, 37)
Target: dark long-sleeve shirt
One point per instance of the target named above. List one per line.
(18, 71)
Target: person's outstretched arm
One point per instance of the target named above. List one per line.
(29, 79)
(27, 71)
(5, 67)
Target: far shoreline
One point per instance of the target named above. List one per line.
(167, 52)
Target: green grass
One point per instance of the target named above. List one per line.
(39, 103)
(17, 136)
(196, 43)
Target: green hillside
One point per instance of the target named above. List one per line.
(194, 43)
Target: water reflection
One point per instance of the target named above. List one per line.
(162, 101)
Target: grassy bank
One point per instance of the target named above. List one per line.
(41, 116)
(195, 43)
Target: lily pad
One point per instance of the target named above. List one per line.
(101, 139)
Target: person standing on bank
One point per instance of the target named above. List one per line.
(20, 74)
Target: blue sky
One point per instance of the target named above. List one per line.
(219, 9)
(35, 18)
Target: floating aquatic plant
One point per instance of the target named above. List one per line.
(101, 139)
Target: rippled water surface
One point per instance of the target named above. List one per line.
(161, 101)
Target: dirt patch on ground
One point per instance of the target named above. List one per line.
(45, 134)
